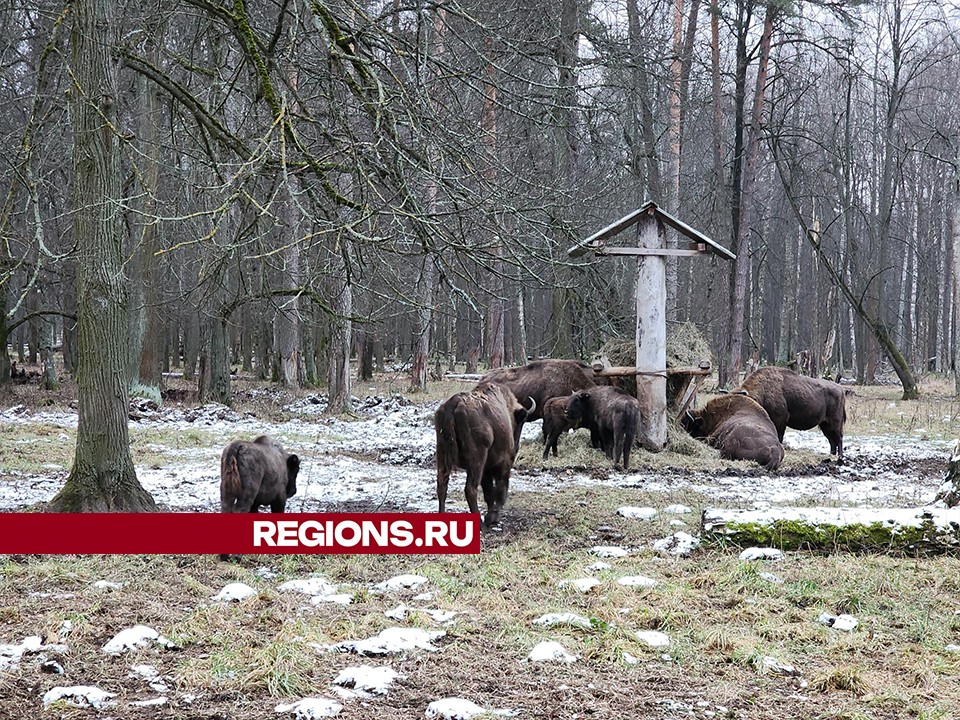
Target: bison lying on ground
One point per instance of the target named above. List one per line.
(739, 428)
(555, 423)
(256, 473)
(800, 402)
(479, 431)
(612, 416)
(542, 380)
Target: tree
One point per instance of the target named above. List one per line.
(102, 477)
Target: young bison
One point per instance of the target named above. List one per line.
(800, 402)
(555, 423)
(612, 416)
(257, 473)
(479, 431)
(739, 428)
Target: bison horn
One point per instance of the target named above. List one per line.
(533, 405)
(741, 392)
(723, 391)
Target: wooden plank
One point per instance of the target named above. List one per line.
(595, 240)
(651, 336)
(662, 252)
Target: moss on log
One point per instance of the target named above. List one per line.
(911, 531)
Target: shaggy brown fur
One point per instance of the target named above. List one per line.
(555, 423)
(542, 380)
(479, 431)
(800, 402)
(612, 416)
(739, 428)
(256, 473)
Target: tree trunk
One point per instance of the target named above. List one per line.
(747, 204)
(338, 350)
(287, 323)
(102, 478)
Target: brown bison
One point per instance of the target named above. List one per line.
(257, 473)
(739, 428)
(612, 416)
(542, 380)
(555, 423)
(479, 431)
(800, 402)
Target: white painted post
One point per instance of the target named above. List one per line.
(652, 337)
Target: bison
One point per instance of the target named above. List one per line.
(739, 428)
(257, 473)
(800, 402)
(542, 380)
(555, 423)
(479, 431)
(612, 416)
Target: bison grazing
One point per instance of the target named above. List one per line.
(612, 416)
(542, 380)
(555, 423)
(800, 402)
(479, 431)
(739, 428)
(256, 473)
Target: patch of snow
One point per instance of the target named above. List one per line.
(580, 584)
(550, 651)
(609, 551)
(846, 623)
(444, 617)
(107, 585)
(952, 648)
(677, 523)
(401, 582)
(771, 578)
(680, 544)
(423, 597)
(135, 638)
(398, 613)
(453, 708)
(761, 553)
(151, 675)
(311, 708)
(565, 618)
(391, 640)
(630, 659)
(338, 599)
(79, 695)
(235, 592)
(598, 566)
(366, 681)
(653, 638)
(149, 703)
(638, 581)
(677, 509)
(637, 513)
(777, 667)
(309, 586)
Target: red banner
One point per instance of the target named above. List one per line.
(239, 534)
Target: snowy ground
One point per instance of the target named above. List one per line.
(384, 460)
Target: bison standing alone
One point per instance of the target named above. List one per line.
(542, 380)
(800, 402)
(612, 416)
(739, 428)
(479, 431)
(257, 473)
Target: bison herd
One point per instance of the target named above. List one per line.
(479, 430)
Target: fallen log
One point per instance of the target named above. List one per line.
(913, 531)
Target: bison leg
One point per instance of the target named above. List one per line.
(474, 478)
(496, 498)
(443, 479)
(836, 439)
(278, 505)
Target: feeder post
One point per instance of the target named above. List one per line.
(651, 296)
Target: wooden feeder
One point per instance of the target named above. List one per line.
(651, 296)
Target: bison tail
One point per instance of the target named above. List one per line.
(448, 455)
(231, 488)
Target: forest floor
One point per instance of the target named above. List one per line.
(745, 640)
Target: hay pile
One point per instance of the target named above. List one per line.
(686, 347)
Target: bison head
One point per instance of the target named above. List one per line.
(293, 467)
(692, 422)
(520, 416)
(579, 410)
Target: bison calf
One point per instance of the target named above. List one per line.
(612, 416)
(739, 428)
(800, 402)
(257, 473)
(555, 423)
(479, 431)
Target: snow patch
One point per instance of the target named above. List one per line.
(598, 566)
(10, 655)
(390, 641)
(565, 618)
(309, 586)
(234, 592)
(366, 681)
(637, 513)
(550, 651)
(311, 708)
(401, 582)
(638, 581)
(580, 584)
(609, 551)
(135, 638)
(653, 638)
(761, 553)
(107, 585)
(846, 623)
(79, 695)
(680, 544)
(677, 509)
